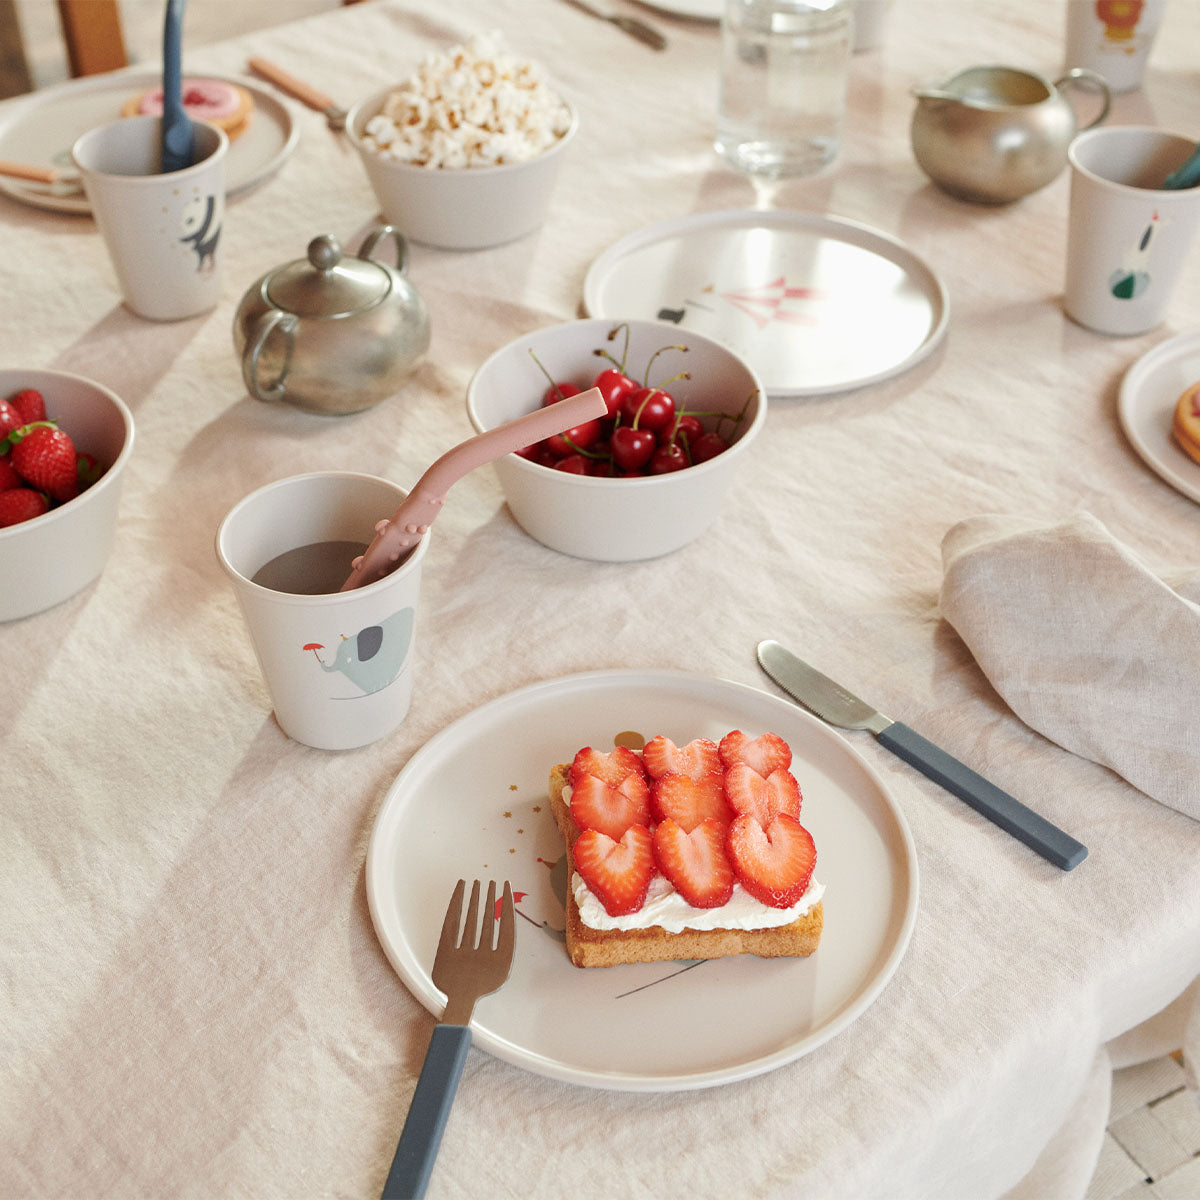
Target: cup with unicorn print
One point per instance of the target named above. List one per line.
(162, 230)
(1130, 231)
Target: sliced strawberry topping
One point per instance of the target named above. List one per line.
(766, 753)
(696, 863)
(611, 810)
(773, 864)
(688, 801)
(617, 872)
(763, 799)
(697, 758)
(612, 768)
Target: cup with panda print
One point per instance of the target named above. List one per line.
(162, 231)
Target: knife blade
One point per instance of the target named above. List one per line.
(646, 34)
(834, 704)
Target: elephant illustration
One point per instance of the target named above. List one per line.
(372, 659)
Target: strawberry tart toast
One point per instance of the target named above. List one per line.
(224, 104)
(686, 852)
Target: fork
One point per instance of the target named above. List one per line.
(464, 971)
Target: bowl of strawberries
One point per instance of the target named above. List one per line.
(653, 473)
(64, 443)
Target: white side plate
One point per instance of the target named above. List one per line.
(41, 130)
(815, 304)
(1146, 406)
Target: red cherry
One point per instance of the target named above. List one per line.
(649, 408)
(687, 428)
(631, 448)
(573, 464)
(559, 391)
(580, 437)
(614, 386)
(668, 458)
(708, 445)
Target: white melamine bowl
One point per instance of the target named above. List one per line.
(48, 559)
(607, 519)
(467, 208)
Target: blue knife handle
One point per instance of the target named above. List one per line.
(998, 806)
(427, 1115)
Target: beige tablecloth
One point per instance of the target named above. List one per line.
(193, 999)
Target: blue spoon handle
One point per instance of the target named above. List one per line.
(176, 125)
(998, 806)
(428, 1113)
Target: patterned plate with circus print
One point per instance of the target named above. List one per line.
(815, 304)
(473, 804)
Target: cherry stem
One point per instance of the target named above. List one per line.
(542, 368)
(660, 350)
(625, 353)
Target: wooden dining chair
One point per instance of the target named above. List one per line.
(92, 35)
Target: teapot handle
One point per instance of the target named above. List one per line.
(253, 349)
(1098, 82)
(373, 238)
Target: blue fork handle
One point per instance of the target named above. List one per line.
(998, 806)
(427, 1115)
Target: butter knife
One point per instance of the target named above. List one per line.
(833, 703)
(644, 33)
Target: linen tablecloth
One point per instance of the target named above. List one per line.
(194, 1002)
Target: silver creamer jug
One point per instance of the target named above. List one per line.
(994, 134)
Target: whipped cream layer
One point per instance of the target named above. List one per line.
(667, 909)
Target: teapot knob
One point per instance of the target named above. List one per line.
(324, 252)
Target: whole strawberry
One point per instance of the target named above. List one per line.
(44, 456)
(21, 504)
(8, 474)
(30, 404)
(10, 419)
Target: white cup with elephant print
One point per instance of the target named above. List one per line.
(162, 231)
(338, 665)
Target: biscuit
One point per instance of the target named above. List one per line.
(226, 105)
(1185, 424)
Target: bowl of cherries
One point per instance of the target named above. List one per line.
(649, 476)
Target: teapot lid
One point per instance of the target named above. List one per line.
(327, 285)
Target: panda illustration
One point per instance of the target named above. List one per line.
(201, 229)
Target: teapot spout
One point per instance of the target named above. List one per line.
(929, 92)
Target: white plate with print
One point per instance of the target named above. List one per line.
(41, 130)
(1146, 406)
(815, 304)
(472, 803)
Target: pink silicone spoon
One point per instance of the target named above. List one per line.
(395, 537)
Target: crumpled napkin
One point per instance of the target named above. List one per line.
(1085, 643)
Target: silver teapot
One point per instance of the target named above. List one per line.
(332, 334)
(995, 134)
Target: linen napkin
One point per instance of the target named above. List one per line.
(1085, 643)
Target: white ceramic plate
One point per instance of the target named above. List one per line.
(473, 803)
(1147, 405)
(698, 10)
(815, 304)
(41, 131)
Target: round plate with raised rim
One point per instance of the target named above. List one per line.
(1146, 406)
(697, 10)
(815, 304)
(41, 130)
(472, 803)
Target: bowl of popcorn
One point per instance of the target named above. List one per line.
(64, 444)
(464, 154)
